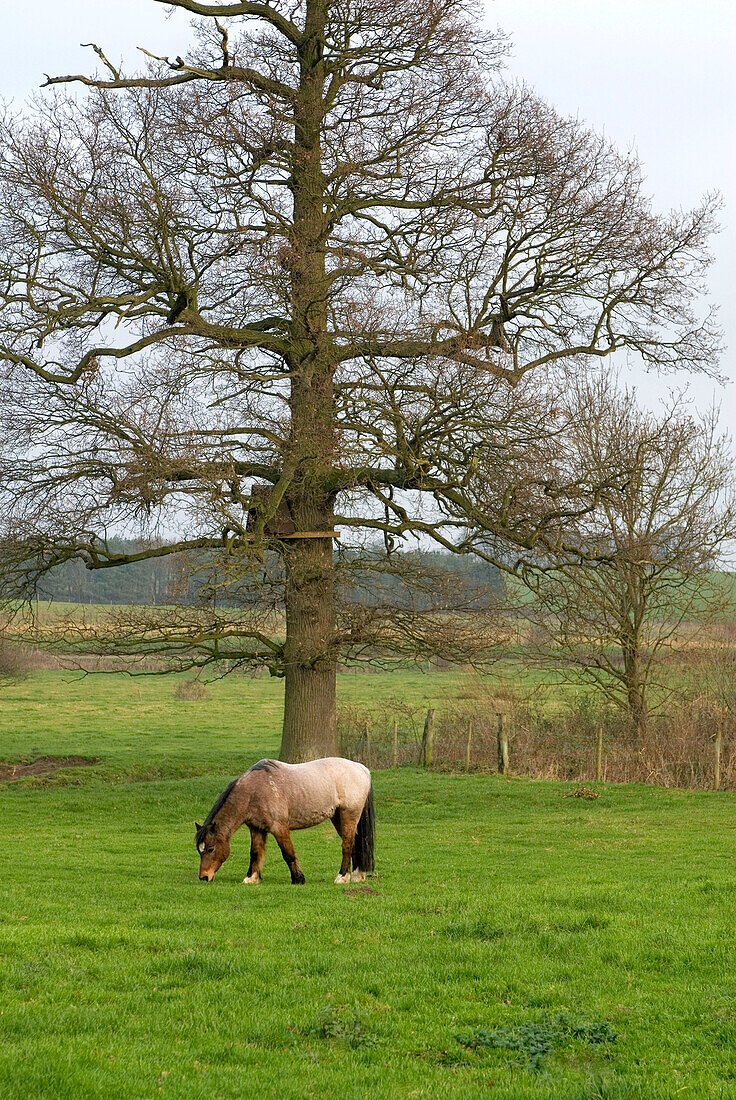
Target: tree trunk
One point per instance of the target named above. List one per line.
(635, 693)
(309, 653)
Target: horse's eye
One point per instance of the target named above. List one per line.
(209, 850)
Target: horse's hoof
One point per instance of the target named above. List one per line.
(252, 880)
(342, 879)
(298, 880)
(357, 876)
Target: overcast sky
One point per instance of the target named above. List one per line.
(655, 75)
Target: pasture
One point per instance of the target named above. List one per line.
(518, 939)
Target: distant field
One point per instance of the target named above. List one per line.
(517, 941)
(53, 615)
(146, 729)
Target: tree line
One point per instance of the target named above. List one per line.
(191, 580)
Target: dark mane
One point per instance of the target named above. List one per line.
(265, 766)
(222, 799)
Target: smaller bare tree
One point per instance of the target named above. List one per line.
(648, 585)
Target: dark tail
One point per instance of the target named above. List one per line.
(364, 835)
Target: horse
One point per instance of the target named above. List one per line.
(274, 797)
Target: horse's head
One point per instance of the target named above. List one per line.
(213, 848)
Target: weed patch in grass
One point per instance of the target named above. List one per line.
(345, 1027)
(536, 1039)
(584, 792)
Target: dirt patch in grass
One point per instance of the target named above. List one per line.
(43, 765)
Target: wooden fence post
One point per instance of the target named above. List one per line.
(396, 742)
(427, 739)
(467, 747)
(599, 756)
(502, 746)
(367, 745)
(719, 749)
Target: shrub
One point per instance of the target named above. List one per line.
(16, 661)
(190, 691)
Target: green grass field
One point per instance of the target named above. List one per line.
(516, 941)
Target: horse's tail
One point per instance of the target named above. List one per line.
(364, 836)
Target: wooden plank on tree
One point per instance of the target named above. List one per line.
(298, 535)
(311, 535)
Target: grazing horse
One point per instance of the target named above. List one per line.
(273, 797)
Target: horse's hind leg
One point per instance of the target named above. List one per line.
(257, 854)
(283, 839)
(346, 826)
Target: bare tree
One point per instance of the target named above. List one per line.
(328, 253)
(658, 539)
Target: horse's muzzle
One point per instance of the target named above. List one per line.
(204, 878)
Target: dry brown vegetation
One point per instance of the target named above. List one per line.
(17, 660)
(555, 736)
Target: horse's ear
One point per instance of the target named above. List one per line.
(197, 826)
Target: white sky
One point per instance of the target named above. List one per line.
(656, 75)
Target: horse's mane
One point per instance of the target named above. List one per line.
(262, 765)
(222, 799)
(265, 766)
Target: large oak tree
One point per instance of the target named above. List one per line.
(311, 275)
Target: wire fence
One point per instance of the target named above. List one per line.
(696, 748)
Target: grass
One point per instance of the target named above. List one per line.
(142, 729)
(515, 942)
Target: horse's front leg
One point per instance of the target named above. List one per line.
(257, 854)
(283, 839)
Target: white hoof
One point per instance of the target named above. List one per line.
(342, 879)
(251, 880)
(357, 876)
